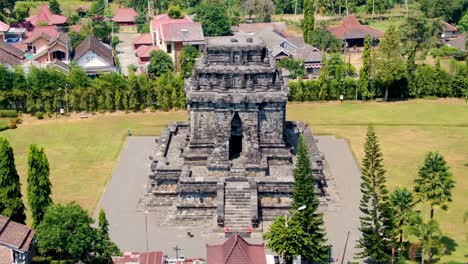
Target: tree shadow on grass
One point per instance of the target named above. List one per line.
(450, 245)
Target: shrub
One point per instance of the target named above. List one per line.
(11, 123)
(39, 115)
(8, 113)
(460, 55)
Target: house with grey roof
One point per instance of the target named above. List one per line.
(16, 242)
(283, 46)
(10, 55)
(94, 57)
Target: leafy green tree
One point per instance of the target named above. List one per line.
(133, 92)
(160, 63)
(324, 40)
(288, 241)
(434, 183)
(402, 201)
(450, 11)
(429, 236)
(104, 247)
(294, 66)
(142, 24)
(55, 7)
(187, 60)
(411, 68)
(463, 23)
(66, 231)
(214, 17)
(11, 204)
(21, 11)
(102, 30)
(364, 73)
(376, 221)
(97, 8)
(76, 38)
(308, 22)
(389, 65)
(419, 30)
(39, 186)
(175, 12)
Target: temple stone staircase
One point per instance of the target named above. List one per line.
(237, 206)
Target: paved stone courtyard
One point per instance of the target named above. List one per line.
(121, 201)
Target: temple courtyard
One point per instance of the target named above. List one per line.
(84, 152)
(126, 214)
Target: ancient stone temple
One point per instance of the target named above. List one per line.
(232, 163)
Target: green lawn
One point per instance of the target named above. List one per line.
(83, 152)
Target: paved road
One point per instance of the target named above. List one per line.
(121, 196)
(342, 212)
(126, 52)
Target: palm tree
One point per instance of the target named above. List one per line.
(434, 183)
(402, 202)
(429, 236)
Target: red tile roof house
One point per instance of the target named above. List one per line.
(46, 44)
(235, 250)
(15, 242)
(153, 257)
(144, 53)
(125, 18)
(45, 18)
(353, 33)
(142, 39)
(3, 30)
(448, 30)
(171, 35)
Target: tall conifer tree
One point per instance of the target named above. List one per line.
(303, 234)
(364, 73)
(39, 187)
(11, 204)
(105, 248)
(376, 221)
(309, 21)
(304, 194)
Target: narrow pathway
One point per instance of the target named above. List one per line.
(125, 51)
(342, 213)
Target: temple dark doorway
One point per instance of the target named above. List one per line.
(235, 141)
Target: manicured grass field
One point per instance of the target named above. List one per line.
(82, 152)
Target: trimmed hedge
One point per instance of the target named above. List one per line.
(9, 113)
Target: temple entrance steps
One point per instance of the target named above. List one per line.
(237, 206)
(237, 167)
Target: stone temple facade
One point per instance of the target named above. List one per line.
(232, 163)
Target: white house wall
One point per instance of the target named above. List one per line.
(92, 60)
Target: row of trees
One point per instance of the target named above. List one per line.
(386, 72)
(390, 218)
(62, 231)
(47, 90)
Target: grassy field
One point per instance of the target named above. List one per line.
(82, 152)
